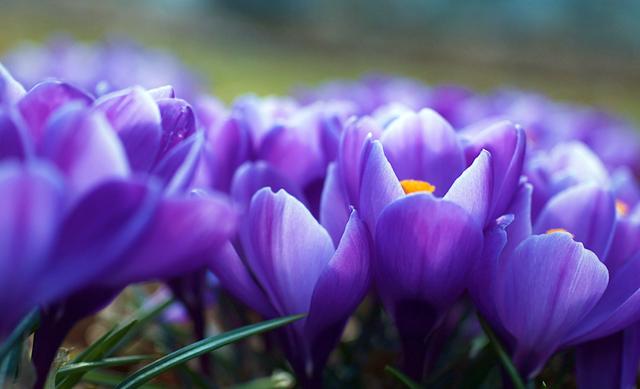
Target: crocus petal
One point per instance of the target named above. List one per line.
(182, 235)
(84, 147)
(178, 123)
(610, 362)
(350, 148)
(587, 211)
(473, 190)
(15, 143)
(30, 203)
(253, 176)
(162, 92)
(484, 272)
(286, 248)
(177, 169)
(339, 290)
(380, 186)
(93, 237)
(507, 144)
(618, 308)
(210, 111)
(334, 209)
(543, 290)
(424, 147)
(10, 90)
(294, 153)
(577, 163)
(625, 186)
(41, 101)
(135, 116)
(626, 243)
(425, 246)
(227, 147)
(520, 208)
(237, 279)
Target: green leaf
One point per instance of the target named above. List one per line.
(110, 342)
(25, 327)
(511, 370)
(106, 378)
(196, 349)
(102, 347)
(142, 318)
(83, 367)
(98, 350)
(401, 377)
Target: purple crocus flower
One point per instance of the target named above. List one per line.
(289, 265)
(270, 142)
(425, 207)
(156, 132)
(101, 67)
(65, 159)
(569, 283)
(421, 148)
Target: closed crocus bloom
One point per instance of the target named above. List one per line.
(144, 235)
(160, 136)
(545, 287)
(565, 165)
(271, 142)
(135, 150)
(156, 132)
(290, 266)
(592, 274)
(67, 243)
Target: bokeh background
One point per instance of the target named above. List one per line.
(577, 50)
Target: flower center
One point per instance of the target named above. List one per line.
(559, 230)
(622, 208)
(413, 186)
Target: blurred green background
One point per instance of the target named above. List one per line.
(578, 50)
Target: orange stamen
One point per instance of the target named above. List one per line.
(413, 186)
(622, 208)
(560, 230)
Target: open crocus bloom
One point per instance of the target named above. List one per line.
(421, 147)
(290, 265)
(425, 208)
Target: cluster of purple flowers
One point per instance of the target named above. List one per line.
(413, 195)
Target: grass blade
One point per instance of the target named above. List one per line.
(83, 367)
(401, 377)
(196, 349)
(96, 351)
(109, 379)
(102, 346)
(110, 342)
(142, 318)
(511, 370)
